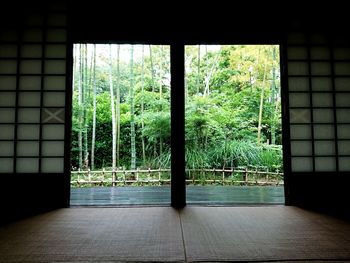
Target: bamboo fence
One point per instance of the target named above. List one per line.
(225, 176)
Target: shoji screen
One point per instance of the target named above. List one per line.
(33, 83)
(318, 71)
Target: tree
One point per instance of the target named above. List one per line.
(118, 105)
(93, 139)
(132, 110)
(112, 108)
(273, 98)
(261, 105)
(142, 105)
(86, 99)
(80, 107)
(198, 68)
(153, 89)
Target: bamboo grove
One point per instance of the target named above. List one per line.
(121, 106)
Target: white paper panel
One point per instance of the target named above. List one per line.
(50, 148)
(30, 67)
(56, 20)
(8, 66)
(343, 99)
(8, 51)
(344, 147)
(297, 53)
(322, 99)
(323, 131)
(325, 164)
(7, 131)
(343, 131)
(324, 148)
(343, 115)
(55, 51)
(301, 164)
(29, 99)
(321, 68)
(32, 35)
(7, 83)
(299, 116)
(7, 115)
(299, 100)
(6, 165)
(320, 53)
(27, 165)
(55, 67)
(31, 51)
(7, 148)
(27, 148)
(28, 132)
(323, 115)
(56, 35)
(298, 84)
(342, 53)
(7, 99)
(54, 99)
(301, 148)
(55, 83)
(342, 84)
(54, 131)
(298, 68)
(29, 83)
(321, 84)
(300, 132)
(344, 164)
(52, 165)
(342, 68)
(29, 115)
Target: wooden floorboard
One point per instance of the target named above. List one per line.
(160, 195)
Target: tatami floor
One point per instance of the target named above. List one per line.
(163, 234)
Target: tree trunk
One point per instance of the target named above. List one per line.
(153, 84)
(261, 104)
(152, 67)
(142, 104)
(85, 103)
(198, 67)
(162, 70)
(80, 115)
(94, 111)
(132, 108)
(273, 99)
(112, 109)
(210, 74)
(118, 105)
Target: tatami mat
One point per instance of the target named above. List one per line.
(162, 234)
(262, 233)
(95, 235)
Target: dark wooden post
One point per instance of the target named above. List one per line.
(178, 173)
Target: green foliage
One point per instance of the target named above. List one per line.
(221, 123)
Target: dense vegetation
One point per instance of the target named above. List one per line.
(227, 89)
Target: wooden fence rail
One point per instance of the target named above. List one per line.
(194, 176)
